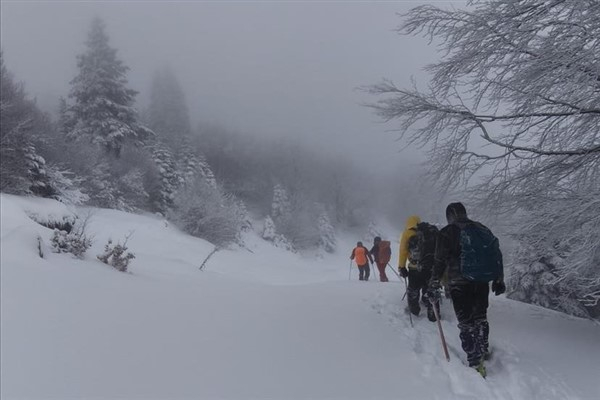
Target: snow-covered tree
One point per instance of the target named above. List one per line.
(192, 165)
(169, 179)
(207, 212)
(327, 239)
(22, 169)
(512, 108)
(281, 207)
(167, 114)
(270, 234)
(103, 107)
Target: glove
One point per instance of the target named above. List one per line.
(433, 293)
(498, 287)
(403, 272)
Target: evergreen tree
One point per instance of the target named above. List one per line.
(169, 178)
(22, 169)
(327, 239)
(168, 114)
(281, 206)
(103, 109)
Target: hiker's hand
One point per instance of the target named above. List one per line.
(403, 272)
(498, 287)
(433, 293)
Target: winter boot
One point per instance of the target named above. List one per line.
(480, 368)
(431, 314)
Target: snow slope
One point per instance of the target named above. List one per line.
(256, 323)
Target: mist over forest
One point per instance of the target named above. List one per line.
(311, 119)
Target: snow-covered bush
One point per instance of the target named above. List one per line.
(73, 240)
(65, 222)
(205, 211)
(116, 255)
(74, 243)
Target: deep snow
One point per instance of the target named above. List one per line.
(258, 322)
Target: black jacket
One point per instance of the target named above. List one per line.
(447, 253)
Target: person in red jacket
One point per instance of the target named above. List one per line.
(382, 253)
(362, 257)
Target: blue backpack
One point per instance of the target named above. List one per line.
(480, 256)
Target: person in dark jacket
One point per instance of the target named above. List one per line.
(469, 298)
(381, 253)
(419, 265)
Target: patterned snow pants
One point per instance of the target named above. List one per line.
(470, 301)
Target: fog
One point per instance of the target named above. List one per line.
(276, 69)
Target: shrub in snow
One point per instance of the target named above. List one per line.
(205, 211)
(62, 223)
(76, 244)
(116, 255)
(74, 240)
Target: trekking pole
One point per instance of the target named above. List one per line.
(439, 324)
(394, 271)
(409, 312)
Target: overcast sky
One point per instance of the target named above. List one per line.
(269, 68)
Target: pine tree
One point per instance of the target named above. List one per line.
(169, 178)
(281, 206)
(103, 109)
(327, 239)
(167, 113)
(193, 165)
(22, 169)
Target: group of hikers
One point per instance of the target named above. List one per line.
(464, 255)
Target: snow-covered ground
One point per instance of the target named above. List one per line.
(256, 323)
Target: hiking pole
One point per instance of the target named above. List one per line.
(394, 271)
(439, 324)
(409, 312)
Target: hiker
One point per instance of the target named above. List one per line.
(381, 252)
(417, 245)
(362, 257)
(470, 253)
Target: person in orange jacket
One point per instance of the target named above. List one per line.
(362, 257)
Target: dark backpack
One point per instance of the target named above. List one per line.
(480, 256)
(421, 246)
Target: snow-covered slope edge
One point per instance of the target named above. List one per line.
(262, 323)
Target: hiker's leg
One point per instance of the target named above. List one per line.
(482, 327)
(382, 276)
(361, 272)
(413, 292)
(367, 272)
(463, 302)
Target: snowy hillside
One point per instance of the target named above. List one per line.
(256, 323)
